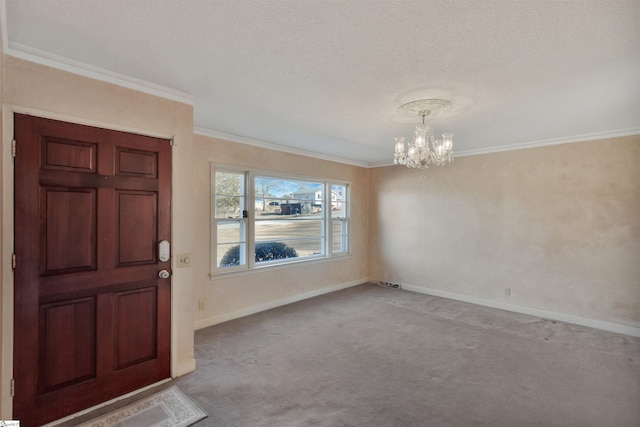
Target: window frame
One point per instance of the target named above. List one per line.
(327, 234)
(345, 221)
(241, 219)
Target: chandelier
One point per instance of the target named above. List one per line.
(424, 149)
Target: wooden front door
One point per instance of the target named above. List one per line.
(92, 316)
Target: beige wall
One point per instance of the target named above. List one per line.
(559, 225)
(43, 91)
(228, 297)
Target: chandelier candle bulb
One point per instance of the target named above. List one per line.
(421, 136)
(400, 144)
(447, 139)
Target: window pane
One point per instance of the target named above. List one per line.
(290, 213)
(231, 255)
(339, 236)
(231, 231)
(229, 194)
(339, 201)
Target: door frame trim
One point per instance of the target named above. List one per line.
(8, 244)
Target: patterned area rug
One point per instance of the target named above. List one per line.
(167, 408)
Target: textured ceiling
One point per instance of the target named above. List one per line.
(327, 77)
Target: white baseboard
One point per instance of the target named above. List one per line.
(214, 320)
(568, 318)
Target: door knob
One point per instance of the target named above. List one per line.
(163, 274)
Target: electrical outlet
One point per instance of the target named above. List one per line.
(200, 305)
(184, 260)
(507, 292)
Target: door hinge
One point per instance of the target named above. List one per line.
(13, 261)
(12, 387)
(13, 148)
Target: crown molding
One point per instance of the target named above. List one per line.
(536, 144)
(276, 147)
(38, 56)
(553, 141)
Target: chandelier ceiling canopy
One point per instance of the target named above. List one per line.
(424, 149)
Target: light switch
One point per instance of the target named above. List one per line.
(184, 260)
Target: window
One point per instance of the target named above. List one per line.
(230, 218)
(339, 219)
(289, 219)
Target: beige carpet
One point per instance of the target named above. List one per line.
(167, 408)
(369, 356)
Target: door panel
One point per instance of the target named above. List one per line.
(77, 229)
(67, 155)
(92, 318)
(67, 343)
(136, 163)
(136, 227)
(135, 344)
